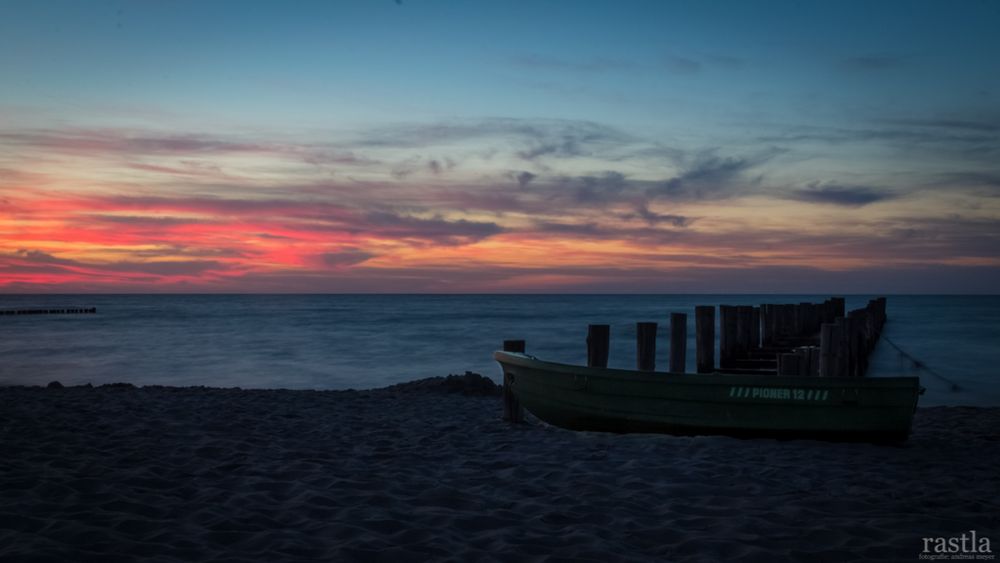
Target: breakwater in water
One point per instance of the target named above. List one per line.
(367, 341)
(70, 311)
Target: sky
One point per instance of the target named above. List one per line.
(546, 146)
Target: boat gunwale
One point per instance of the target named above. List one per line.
(700, 379)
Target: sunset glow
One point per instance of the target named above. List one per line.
(419, 167)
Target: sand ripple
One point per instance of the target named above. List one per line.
(169, 474)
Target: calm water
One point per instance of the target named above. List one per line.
(365, 341)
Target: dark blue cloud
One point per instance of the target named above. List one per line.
(707, 175)
(524, 178)
(848, 196)
(653, 219)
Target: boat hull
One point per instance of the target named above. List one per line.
(610, 400)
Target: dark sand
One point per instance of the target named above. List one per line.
(189, 474)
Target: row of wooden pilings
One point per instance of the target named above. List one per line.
(810, 339)
(843, 345)
(72, 311)
(846, 343)
(745, 329)
(748, 332)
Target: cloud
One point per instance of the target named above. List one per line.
(127, 142)
(524, 178)
(709, 176)
(704, 174)
(976, 142)
(984, 125)
(834, 135)
(135, 221)
(615, 231)
(652, 218)
(987, 183)
(435, 229)
(537, 137)
(437, 166)
(633, 200)
(115, 143)
(929, 239)
(565, 147)
(167, 267)
(162, 268)
(589, 230)
(219, 207)
(313, 154)
(39, 257)
(847, 196)
(571, 140)
(145, 220)
(345, 257)
(186, 169)
(602, 188)
(567, 193)
(709, 277)
(175, 250)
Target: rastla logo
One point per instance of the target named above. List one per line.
(969, 545)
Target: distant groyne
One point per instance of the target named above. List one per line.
(64, 311)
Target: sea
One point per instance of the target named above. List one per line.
(370, 341)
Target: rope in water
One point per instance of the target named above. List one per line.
(921, 365)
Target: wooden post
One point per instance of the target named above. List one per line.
(776, 323)
(512, 410)
(704, 330)
(788, 364)
(744, 318)
(838, 307)
(866, 337)
(678, 342)
(805, 359)
(598, 344)
(765, 324)
(810, 319)
(727, 335)
(827, 354)
(785, 321)
(857, 360)
(645, 346)
(843, 347)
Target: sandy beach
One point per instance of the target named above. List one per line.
(414, 473)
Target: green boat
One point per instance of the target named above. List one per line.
(867, 409)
